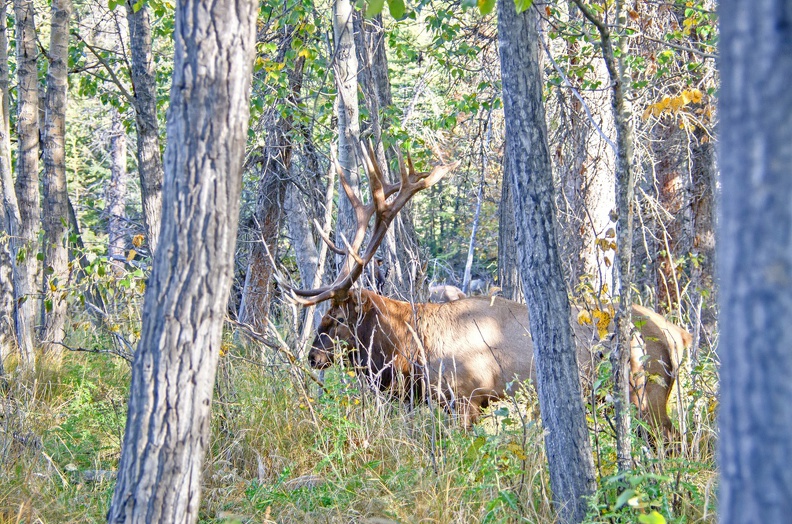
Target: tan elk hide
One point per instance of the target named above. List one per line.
(440, 293)
(466, 353)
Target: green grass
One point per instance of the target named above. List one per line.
(282, 453)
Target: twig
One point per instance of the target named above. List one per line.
(280, 346)
(577, 95)
(115, 352)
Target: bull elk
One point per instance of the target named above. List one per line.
(463, 353)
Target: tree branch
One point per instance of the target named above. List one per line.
(114, 78)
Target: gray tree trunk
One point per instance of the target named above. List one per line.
(7, 307)
(56, 197)
(345, 66)
(754, 260)
(25, 248)
(508, 262)
(116, 194)
(144, 82)
(528, 161)
(167, 429)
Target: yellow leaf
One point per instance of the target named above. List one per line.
(696, 96)
(137, 240)
(603, 321)
(584, 318)
(131, 254)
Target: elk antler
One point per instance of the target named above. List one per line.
(383, 212)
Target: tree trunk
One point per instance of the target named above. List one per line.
(259, 286)
(144, 82)
(7, 256)
(346, 68)
(167, 429)
(625, 185)
(509, 278)
(116, 194)
(27, 179)
(754, 258)
(56, 197)
(528, 161)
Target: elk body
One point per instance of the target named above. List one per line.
(463, 353)
(466, 353)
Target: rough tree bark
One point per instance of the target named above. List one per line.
(508, 263)
(144, 83)
(56, 197)
(25, 246)
(625, 187)
(345, 66)
(755, 262)
(167, 429)
(259, 285)
(528, 161)
(116, 194)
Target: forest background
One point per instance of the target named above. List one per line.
(427, 82)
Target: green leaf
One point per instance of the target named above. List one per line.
(112, 4)
(137, 5)
(396, 8)
(486, 6)
(48, 306)
(652, 518)
(624, 497)
(510, 499)
(374, 7)
(522, 5)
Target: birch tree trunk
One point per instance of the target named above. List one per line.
(144, 82)
(167, 429)
(56, 197)
(25, 232)
(116, 194)
(528, 161)
(755, 262)
(7, 256)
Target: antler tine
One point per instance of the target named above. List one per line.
(379, 208)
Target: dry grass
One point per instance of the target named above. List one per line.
(282, 453)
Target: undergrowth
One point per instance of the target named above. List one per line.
(281, 452)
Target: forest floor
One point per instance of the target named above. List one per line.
(281, 452)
